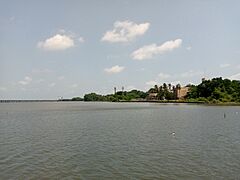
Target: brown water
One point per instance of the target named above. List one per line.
(118, 141)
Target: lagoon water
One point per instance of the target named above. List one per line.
(78, 140)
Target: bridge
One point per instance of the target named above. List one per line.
(17, 101)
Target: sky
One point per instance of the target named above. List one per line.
(67, 48)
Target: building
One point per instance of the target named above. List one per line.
(177, 92)
(182, 92)
(152, 96)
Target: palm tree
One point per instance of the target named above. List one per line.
(156, 88)
(164, 86)
(160, 93)
(169, 86)
(178, 86)
(160, 88)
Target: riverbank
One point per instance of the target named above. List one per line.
(16, 101)
(135, 101)
(166, 101)
(190, 102)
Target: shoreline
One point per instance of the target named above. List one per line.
(190, 102)
(133, 101)
(17, 101)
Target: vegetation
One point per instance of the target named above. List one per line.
(165, 92)
(119, 96)
(77, 99)
(217, 90)
(94, 97)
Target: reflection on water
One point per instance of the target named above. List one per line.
(118, 141)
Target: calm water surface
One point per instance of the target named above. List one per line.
(118, 141)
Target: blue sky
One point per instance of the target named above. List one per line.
(68, 48)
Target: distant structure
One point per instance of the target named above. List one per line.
(152, 96)
(181, 92)
(178, 91)
(115, 90)
(60, 98)
(122, 88)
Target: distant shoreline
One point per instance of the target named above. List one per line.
(187, 102)
(133, 101)
(16, 101)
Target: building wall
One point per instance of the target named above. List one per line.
(152, 96)
(182, 92)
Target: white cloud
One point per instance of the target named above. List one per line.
(114, 69)
(52, 84)
(164, 76)
(151, 83)
(235, 77)
(57, 42)
(125, 31)
(189, 48)
(224, 65)
(81, 40)
(147, 52)
(27, 80)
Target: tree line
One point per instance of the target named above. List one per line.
(216, 90)
(165, 91)
(118, 96)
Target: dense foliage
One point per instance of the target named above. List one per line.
(216, 90)
(165, 92)
(119, 96)
(77, 99)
